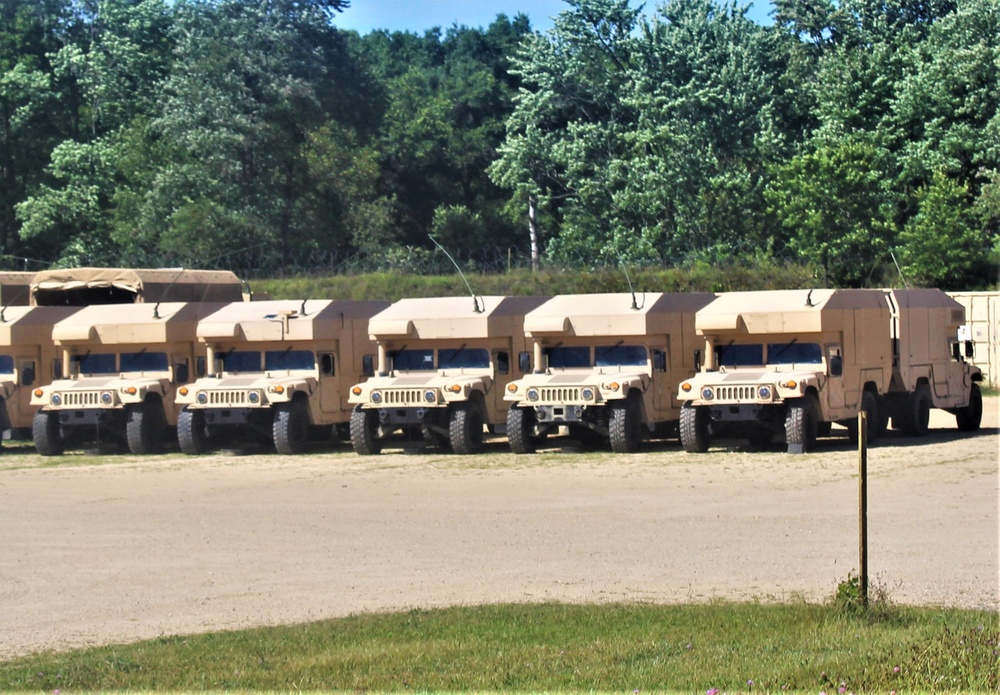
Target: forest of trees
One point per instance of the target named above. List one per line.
(851, 135)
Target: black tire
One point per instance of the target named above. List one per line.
(695, 437)
(146, 427)
(869, 405)
(801, 424)
(364, 431)
(46, 433)
(970, 417)
(465, 428)
(192, 432)
(290, 427)
(520, 423)
(918, 412)
(625, 426)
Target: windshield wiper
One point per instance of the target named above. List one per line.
(782, 351)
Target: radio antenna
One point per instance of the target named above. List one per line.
(635, 304)
(476, 301)
(156, 309)
(899, 270)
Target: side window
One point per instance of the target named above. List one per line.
(327, 365)
(182, 372)
(199, 367)
(503, 362)
(27, 373)
(57, 369)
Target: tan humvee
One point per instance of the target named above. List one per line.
(277, 368)
(443, 365)
(793, 362)
(27, 357)
(15, 288)
(121, 364)
(605, 367)
(86, 286)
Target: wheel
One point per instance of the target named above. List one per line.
(465, 428)
(520, 423)
(918, 412)
(625, 426)
(801, 422)
(869, 405)
(146, 427)
(969, 418)
(290, 427)
(364, 430)
(192, 432)
(695, 436)
(46, 433)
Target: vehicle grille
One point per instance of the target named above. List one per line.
(565, 394)
(81, 399)
(403, 397)
(232, 399)
(736, 393)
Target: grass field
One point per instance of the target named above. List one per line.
(710, 648)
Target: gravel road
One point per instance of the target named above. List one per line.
(111, 549)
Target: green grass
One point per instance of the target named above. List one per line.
(731, 647)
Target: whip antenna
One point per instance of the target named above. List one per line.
(475, 300)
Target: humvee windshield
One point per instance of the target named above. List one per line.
(97, 364)
(794, 353)
(144, 362)
(413, 360)
(569, 357)
(276, 360)
(464, 358)
(620, 356)
(739, 355)
(240, 361)
(6, 364)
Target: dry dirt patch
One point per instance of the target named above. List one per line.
(119, 548)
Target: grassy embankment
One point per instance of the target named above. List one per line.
(717, 647)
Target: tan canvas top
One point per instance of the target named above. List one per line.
(782, 311)
(147, 284)
(286, 319)
(31, 325)
(612, 313)
(15, 288)
(131, 324)
(452, 317)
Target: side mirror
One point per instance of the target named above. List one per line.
(836, 365)
(503, 362)
(327, 365)
(368, 365)
(956, 351)
(970, 349)
(524, 362)
(27, 376)
(199, 367)
(181, 373)
(659, 361)
(697, 360)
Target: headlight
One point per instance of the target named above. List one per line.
(706, 394)
(764, 392)
(376, 396)
(253, 397)
(532, 394)
(56, 399)
(430, 396)
(202, 397)
(587, 393)
(106, 397)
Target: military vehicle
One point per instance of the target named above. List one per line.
(605, 367)
(86, 286)
(791, 363)
(120, 368)
(15, 288)
(27, 357)
(443, 365)
(277, 369)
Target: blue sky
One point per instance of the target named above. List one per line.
(364, 16)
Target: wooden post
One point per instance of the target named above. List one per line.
(863, 506)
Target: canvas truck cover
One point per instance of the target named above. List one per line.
(275, 320)
(611, 314)
(132, 324)
(15, 288)
(85, 286)
(783, 311)
(452, 317)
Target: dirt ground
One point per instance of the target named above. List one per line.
(113, 549)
